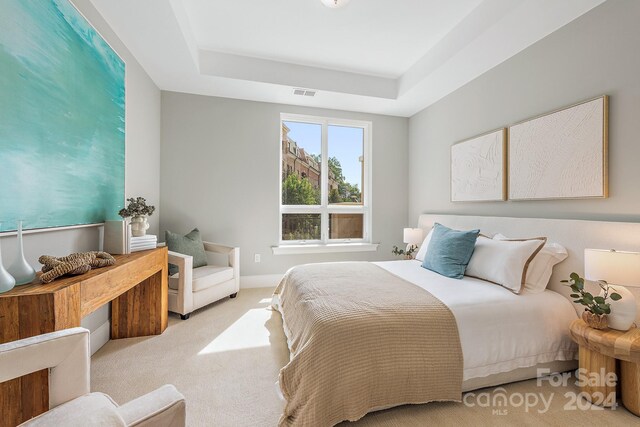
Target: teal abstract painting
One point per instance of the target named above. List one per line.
(62, 118)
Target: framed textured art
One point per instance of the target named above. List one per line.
(478, 170)
(560, 155)
(62, 118)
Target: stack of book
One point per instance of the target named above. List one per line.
(142, 243)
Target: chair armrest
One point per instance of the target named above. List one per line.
(185, 279)
(233, 252)
(184, 262)
(217, 248)
(163, 407)
(65, 352)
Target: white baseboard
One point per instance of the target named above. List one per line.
(100, 336)
(260, 281)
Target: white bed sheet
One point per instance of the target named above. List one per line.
(499, 331)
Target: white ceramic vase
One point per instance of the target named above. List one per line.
(623, 311)
(7, 282)
(139, 226)
(20, 269)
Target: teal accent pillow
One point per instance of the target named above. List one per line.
(190, 244)
(449, 251)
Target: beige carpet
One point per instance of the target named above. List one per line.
(225, 360)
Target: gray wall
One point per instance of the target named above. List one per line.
(220, 169)
(142, 171)
(593, 55)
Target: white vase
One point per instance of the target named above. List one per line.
(139, 226)
(20, 269)
(623, 311)
(7, 282)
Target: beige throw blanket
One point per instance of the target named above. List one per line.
(363, 339)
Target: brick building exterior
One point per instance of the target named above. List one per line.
(295, 160)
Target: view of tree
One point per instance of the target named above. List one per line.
(299, 191)
(346, 192)
(336, 168)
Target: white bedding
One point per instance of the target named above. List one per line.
(499, 331)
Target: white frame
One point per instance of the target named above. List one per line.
(324, 209)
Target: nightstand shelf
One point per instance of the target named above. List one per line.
(599, 351)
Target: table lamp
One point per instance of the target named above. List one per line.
(412, 237)
(618, 269)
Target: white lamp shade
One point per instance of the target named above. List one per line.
(615, 267)
(413, 236)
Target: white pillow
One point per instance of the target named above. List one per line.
(423, 247)
(541, 268)
(504, 262)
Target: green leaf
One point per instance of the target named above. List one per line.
(574, 296)
(580, 285)
(574, 276)
(607, 310)
(574, 288)
(614, 296)
(564, 281)
(599, 300)
(588, 297)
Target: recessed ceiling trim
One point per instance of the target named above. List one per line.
(161, 36)
(263, 70)
(185, 28)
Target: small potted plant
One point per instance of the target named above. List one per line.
(138, 211)
(407, 253)
(596, 308)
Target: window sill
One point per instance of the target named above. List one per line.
(324, 249)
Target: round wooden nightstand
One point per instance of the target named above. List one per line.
(599, 350)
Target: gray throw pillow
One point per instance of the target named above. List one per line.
(190, 244)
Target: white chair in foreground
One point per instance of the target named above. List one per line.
(66, 354)
(193, 288)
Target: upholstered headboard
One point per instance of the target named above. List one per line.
(575, 235)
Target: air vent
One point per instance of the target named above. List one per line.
(304, 92)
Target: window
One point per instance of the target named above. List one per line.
(325, 190)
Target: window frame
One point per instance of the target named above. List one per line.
(325, 209)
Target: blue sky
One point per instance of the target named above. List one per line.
(345, 143)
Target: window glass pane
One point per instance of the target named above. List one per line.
(346, 164)
(301, 163)
(301, 226)
(346, 226)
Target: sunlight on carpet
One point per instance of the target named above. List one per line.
(242, 334)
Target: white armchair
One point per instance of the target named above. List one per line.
(66, 353)
(193, 288)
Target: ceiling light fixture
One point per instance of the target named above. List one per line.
(334, 4)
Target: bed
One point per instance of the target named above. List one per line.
(377, 362)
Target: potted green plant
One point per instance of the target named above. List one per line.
(407, 253)
(138, 211)
(596, 307)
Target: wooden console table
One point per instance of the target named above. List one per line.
(137, 288)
